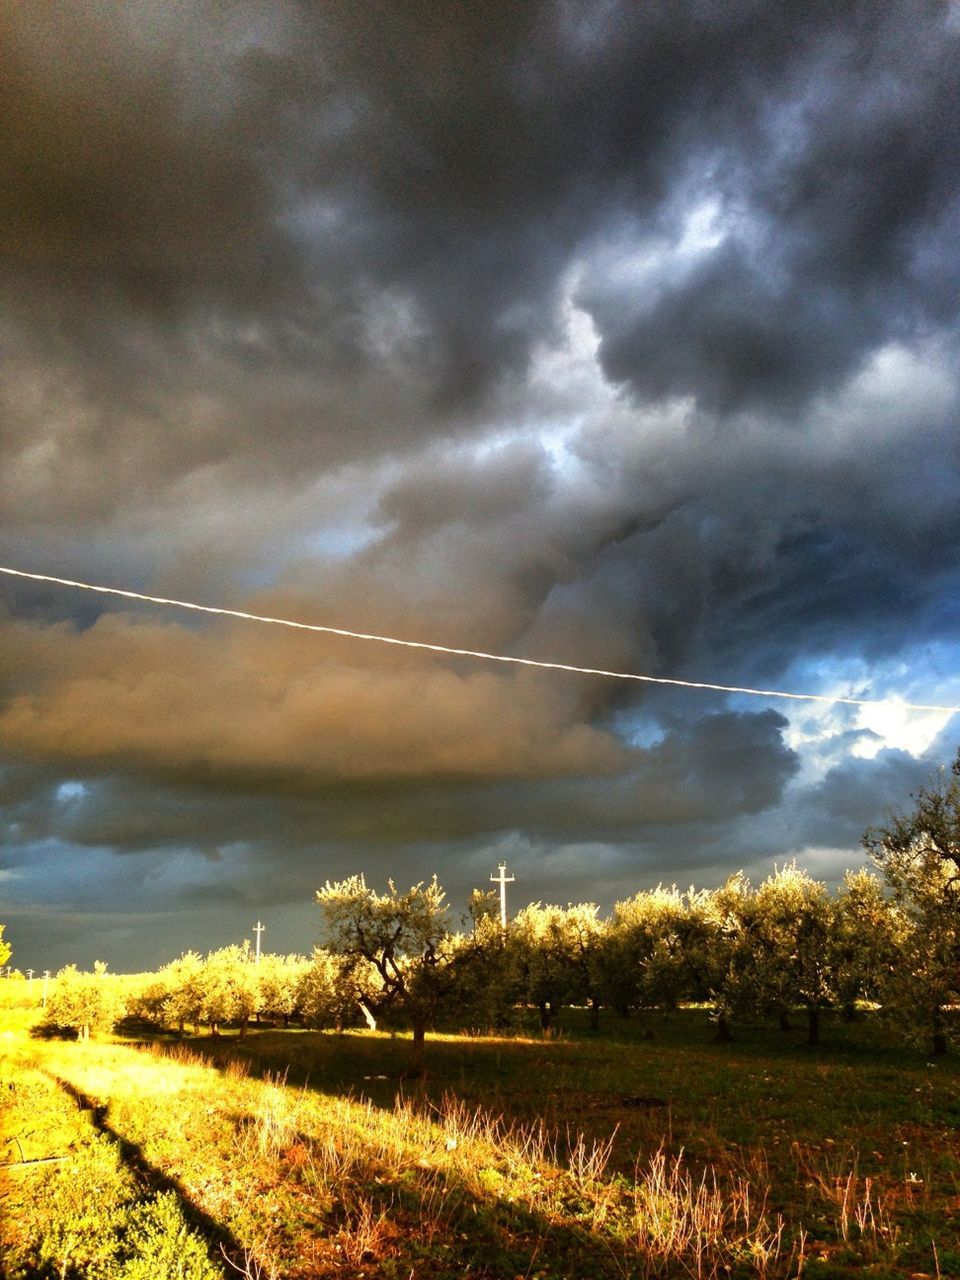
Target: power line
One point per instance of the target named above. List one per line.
(474, 653)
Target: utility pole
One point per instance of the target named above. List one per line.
(502, 879)
(258, 929)
(46, 979)
(29, 976)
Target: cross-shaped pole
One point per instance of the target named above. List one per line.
(502, 879)
(258, 929)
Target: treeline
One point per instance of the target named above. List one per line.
(785, 947)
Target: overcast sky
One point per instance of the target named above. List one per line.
(621, 335)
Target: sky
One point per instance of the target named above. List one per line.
(620, 335)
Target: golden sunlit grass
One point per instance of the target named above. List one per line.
(310, 1181)
(283, 1179)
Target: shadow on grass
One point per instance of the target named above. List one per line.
(221, 1241)
(418, 1214)
(680, 1090)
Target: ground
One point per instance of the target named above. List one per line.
(646, 1150)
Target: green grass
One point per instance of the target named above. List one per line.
(609, 1155)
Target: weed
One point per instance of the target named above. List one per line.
(601, 1157)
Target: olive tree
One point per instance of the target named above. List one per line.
(791, 930)
(488, 975)
(404, 939)
(182, 981)
(719, 951)
(545, 977)
(84, 1002)
(643, 956)
(918, 854)
(278, 980)
(228, 987)
(330, 990)
(869, 930)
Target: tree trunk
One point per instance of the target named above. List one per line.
(544, 1008)
(594, 1014)
(784, 1017)
(723, 1029)
(368, 1017)
(214, 1028)
(417, 1049)
(813, 1025)
(243, 1027)
(939, 1034)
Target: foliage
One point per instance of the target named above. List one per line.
(278, 980)
(918, 854)
(789, 924)
(869, 932)
(84, 1002)
(488, 989)
(404, 940)
(228, 987)
(183, 991)
(329, 988)
(547, 980)
(84, 1212)
(645, 959)
(719, 950)
(158, 1242)
(5, 948)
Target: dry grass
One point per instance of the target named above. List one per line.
(309, 1184)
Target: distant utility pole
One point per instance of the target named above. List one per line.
(258, 929)
(46, 979)
(502, 879)
(29, 975)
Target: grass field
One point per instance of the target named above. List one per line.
(297, 1154)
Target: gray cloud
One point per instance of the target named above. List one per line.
(621, 335)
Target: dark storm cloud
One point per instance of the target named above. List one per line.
(859, 793)
(837, 215)
(615, 334)
(717, 769)
(291, 216)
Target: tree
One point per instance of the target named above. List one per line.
(575, 936)
(918, 854)
(5, 948)
(228, 988)
(327, 990)
(405, 939)
(545, 977)
(868, 935)
(488, 978)
(182, 980)
(791, 929)
(84, 1002)
(643, 959)
(278, 981)
(718, 950)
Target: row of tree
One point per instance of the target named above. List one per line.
(768, 951)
